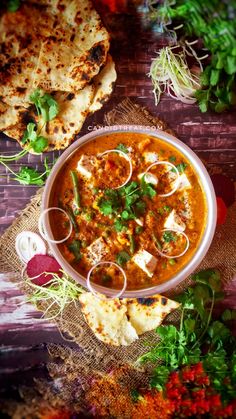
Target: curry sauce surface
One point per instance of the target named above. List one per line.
(189, 204)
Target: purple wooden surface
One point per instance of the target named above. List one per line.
(211, 136)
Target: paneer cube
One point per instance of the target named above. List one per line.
(150, 157)
(184, 182)
(97, 250)
(149, 178)
(86, 165)
(174, 222)
(145, 261)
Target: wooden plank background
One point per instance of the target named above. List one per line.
(212, 136)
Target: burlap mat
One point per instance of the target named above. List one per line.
(93, 354)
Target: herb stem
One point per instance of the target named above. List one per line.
(132, 244)
(75, 188)
(156, 241)
(208, 320)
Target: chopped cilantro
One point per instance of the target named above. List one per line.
(75, 247)
(147, 188)
(172, 159)
(122, 257)
(172, 262)
(180, 167)
(120, 225)
(122, 147)
(112, 204)
(168, 237)
(135, 396)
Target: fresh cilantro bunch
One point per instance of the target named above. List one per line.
(215, 23)
(198, 338)
(46, 106)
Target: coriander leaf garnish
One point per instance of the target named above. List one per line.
(180, 167)
(122, 147)
(29, 176)
(120, 225)
(147, 188)
(168, 237)
(172, 159)
(110, 202)
(46, 106)
(37, 143)
(122, 257)
(75, 247)
(13, 5)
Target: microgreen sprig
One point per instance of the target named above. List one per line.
(59, 291)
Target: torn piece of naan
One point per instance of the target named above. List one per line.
(148, 313)
(108, 320)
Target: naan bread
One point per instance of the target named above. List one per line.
(74, 108)
(58, 46)
(103, 84)
(119, 322)
(148, 313)
(108, 320)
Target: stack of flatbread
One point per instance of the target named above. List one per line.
(120, 322)
(60, 47)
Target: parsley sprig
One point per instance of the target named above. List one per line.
(198, 338)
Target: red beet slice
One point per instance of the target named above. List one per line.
(39, 264)
(224, 188)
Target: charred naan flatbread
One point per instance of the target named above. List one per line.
(103, 83)
(108, 320)
(119, 322)
(148, 313)
(60, 46)
(74, 108)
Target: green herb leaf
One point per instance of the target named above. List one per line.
(13, 5)
(29, 176)
(122, 147)
(147, 188)
(180, 167)
(168, 237)
(122, 257)
(160, 377)
(39, 144)
(45, 105)
(120, 225)
(75, 247)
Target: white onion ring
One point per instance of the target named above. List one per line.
(41, 225)
(126, 157)
(176, 180)
(91, 289)
(181, 254)
(32, 239)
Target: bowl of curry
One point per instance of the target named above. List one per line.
(128, 211)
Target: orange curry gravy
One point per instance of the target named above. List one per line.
(128, 220)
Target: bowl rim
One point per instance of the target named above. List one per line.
(206, 184)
